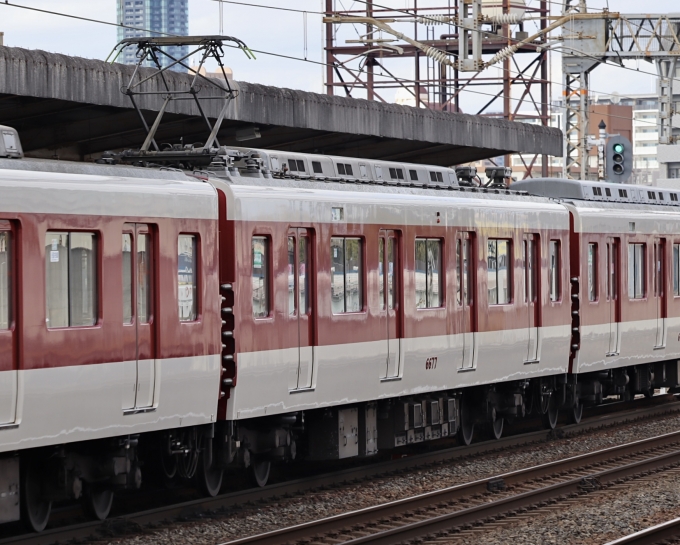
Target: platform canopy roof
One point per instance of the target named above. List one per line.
(73, 108)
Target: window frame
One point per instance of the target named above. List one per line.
(197, 275)
(510, 269)
(441, 272)
(6, 228)
(637, 280)
(361, 277)
(268, 284)
(555, 274)
(96, 292)
(595, 277)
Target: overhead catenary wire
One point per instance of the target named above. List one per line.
(435, 20)
(290, 57)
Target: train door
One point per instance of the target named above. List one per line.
(8, 349)
(388, 279)
(138, 317)
(613, 299)
(465, 297)
(660, 291)
(531, 272)
(300, 305)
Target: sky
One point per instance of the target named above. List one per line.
(274, 31)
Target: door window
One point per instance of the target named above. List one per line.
(592, 271)
(127, 278)
(5, 280)
(144, 272)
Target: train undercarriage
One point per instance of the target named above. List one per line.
(93, 472)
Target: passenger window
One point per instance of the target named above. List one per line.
(498, 271)
(348, 170)
(636, 271)
(292, 165)
(414, 175)
(301, 166)
(260, 279)
(555, 271)
(5, 280)
(346, 275)
(592, 272)
(341, 169)
(428, 273)
(70, 279)
(127, 278)
(186, 276)
(316, 166)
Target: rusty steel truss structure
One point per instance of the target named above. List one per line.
(425, 57)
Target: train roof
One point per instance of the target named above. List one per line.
(43, 186)
(585, 190)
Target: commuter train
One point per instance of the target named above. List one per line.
(161, 324)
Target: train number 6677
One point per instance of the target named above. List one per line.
(431, 363)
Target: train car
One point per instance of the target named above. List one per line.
(109, 327)
(279, 306)
(625, 243)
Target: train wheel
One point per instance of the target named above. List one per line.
(97, 501)
(497, 425)
(35, 509)
(467, 424)
(551, 413)
(209, 477)
(576, 413)
(260, 471)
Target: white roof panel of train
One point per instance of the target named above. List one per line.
(25, 191)
(618, 218)
(314, 202)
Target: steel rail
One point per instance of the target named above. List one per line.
(660, 405)
(651, 536)
(475, 488)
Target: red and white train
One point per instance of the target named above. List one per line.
(283, 305)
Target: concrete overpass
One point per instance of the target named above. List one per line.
(73, 108)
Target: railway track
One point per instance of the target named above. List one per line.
(470, 505)
(131, 523)
(666, 533)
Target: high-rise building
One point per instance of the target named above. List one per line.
(155, 18)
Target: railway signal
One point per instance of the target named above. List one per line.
(619, 159)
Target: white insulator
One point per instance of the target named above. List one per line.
(436, 20)
(503, 54)
(436, 54)
(506, 18)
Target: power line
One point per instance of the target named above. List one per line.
(86, 19)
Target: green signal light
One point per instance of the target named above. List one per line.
(618, 148)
